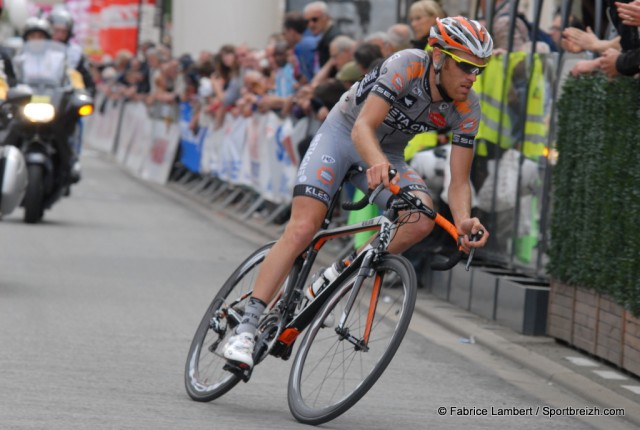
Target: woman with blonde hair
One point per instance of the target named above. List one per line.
(422, 16)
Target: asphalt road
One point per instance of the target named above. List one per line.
(99, 302)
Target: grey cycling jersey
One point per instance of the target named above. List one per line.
(403, 81)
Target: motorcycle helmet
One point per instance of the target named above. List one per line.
(13, 178)
(36, 25)
(60, 16)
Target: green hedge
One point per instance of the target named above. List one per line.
(595, 226)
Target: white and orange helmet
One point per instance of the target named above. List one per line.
(463, 34)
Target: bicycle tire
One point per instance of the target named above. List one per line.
(317, 391)
(205, 378)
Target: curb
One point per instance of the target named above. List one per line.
(548, 369)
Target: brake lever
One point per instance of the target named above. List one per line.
(473, 238)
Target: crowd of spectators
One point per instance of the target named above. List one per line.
(302, 70)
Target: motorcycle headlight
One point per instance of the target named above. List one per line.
(85, 110)
(39, 112)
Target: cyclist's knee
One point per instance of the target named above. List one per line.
(300, 230)
(422, 228)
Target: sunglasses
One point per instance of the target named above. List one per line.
(313, 19)
(470, 68)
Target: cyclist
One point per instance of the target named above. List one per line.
(413, 91)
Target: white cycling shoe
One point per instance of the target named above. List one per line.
(239, 348)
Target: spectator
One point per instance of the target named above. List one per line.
(422, 15)
(576, 39)
(629, 13)
(400, 36)
(303, 43)
(131, 79)
(626, 61)
(319, 23)
(622, 60)
(501, 26)
(341, 50)
(283, 82)
(150, 69)
(382, 41)
(349, 74)
(226, 82)
(366, 55)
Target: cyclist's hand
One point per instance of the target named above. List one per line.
(467, 228)
(378, 174)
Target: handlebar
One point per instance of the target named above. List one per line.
(414, 202)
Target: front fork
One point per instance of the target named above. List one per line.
(365, 271)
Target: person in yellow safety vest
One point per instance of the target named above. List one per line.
(496, 124)
(499, 109)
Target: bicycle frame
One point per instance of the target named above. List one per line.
(294, 325)
(364, 259)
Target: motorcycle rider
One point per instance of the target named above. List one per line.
(61, 23)
(36, 29)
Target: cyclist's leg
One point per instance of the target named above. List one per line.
(321, 171)
(306, 217)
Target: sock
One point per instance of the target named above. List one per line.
(252, 313)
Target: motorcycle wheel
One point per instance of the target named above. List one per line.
(34, 197)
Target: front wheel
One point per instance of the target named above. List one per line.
(34, 196)
(332, 370)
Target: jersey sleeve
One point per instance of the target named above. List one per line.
(395, 75)
(465, 128)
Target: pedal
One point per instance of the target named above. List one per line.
(241, 370)
(282, 350)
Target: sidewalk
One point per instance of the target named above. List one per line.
(596, 382)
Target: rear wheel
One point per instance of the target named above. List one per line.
(34, 196)
(332, 371)
(205, 378)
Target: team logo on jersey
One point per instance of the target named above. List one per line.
(327, 159)
(398, 81)
(326, 175)
(468, 125)
(399, 120)
(409, 101)
(463, 107)
(307, 157)
(366, 84)
(417, 91)
(443, 107)
(437, 119)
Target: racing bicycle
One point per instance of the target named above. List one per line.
(355, 326)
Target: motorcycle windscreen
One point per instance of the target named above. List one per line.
(42, 62)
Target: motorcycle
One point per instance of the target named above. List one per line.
(13, 179)
(40, 116)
